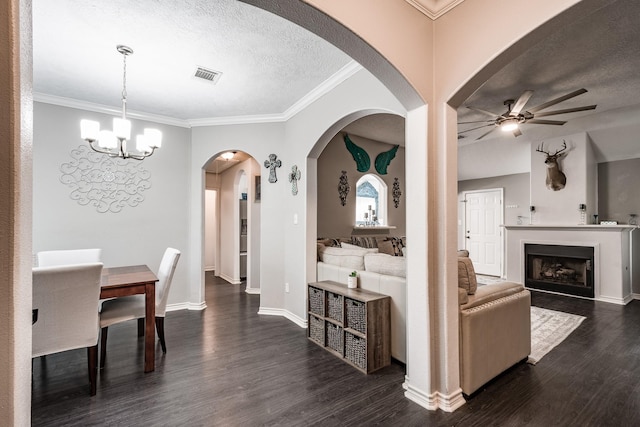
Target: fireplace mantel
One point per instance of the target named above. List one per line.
(588, 227)
(616, 268)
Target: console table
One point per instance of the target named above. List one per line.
(352, 324)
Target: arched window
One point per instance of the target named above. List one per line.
(371, 201)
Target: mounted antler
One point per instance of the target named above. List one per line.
(540, 149)
(556, 180)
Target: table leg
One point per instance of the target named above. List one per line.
(149, 327)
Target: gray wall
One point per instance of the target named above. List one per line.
(619, 190)
(516, 197)
(335, 220)
(136, 235)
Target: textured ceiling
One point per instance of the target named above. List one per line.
(600, 53)
(268, 63)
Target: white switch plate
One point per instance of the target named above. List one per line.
(286, 287)
(295, 219)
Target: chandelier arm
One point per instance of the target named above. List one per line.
(101, 150)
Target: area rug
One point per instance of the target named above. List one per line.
(548, 329)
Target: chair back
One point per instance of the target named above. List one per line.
(165, 277)
(66, 298)
(68, 257)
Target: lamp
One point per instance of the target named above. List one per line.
(114, 142)
(228, 155)
(509, 125)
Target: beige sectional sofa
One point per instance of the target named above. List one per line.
(381, 273)
(494, 320)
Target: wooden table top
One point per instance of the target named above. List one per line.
(129, 275)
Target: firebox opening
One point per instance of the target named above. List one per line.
(560, 268)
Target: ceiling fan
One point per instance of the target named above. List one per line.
(517, 115)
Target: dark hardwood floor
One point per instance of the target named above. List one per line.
(228, 366)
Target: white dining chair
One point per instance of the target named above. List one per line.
(132, 307)
(69, 256)
(66, 299)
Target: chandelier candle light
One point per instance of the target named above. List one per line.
(114, 143)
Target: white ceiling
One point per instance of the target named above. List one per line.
(268, 63)
(601, 54)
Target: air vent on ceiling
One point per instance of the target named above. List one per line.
(208, 75)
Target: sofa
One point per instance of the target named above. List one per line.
(494, 326)
(377, 272)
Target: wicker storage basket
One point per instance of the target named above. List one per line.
(356, 315)
(355, 350)
(316, 301)
(334, 338)
(334, 306)
(316, 329)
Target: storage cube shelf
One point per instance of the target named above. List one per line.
(352, 324)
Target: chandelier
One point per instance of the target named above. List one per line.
(114, 142)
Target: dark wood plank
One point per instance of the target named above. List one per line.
(229, 366)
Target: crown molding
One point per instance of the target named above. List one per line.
(323, 88)
(434, 8)
(106, 109)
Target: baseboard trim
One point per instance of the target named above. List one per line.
(283, 313)
(253, 291)
(635, 296)
(230, 279)
(434, 401)
(620, 301)
(186, 306)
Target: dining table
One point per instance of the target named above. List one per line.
(134, 280)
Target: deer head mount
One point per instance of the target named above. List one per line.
(556, 180)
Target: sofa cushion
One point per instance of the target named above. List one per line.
(493, 292)
(467, 275)
(350, 258)
(386, 247)
(463, 253)
(386, 264)
(463, 297)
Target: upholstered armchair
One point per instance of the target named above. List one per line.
(66, 299)
(132, 307)
(68, 257)
(495, 327)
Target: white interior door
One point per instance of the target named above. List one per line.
(483, 234)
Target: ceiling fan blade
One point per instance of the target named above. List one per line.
(545, 122)
(476, 121)
(568, 110)
(517, 132)
(521, 102)
(557, 100)
(485, 134)
(488, 113)
(479, 127)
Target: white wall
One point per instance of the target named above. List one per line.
(210, 229)
(561, 207)
(136, 235)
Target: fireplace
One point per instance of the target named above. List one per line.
(560, 268)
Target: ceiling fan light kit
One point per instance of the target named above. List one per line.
(516, 115)
(114, 142)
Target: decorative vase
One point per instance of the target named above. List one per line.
(352, 282)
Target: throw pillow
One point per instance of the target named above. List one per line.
(349, 258)
(467, 275)
(350, 246)
(386, 247)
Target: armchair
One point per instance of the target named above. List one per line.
(494, 327)
(67, 299)
(132, 307)
(67, 257)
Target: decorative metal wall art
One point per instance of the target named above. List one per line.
(383, 160)
(272, 164)
(294, 177)
(363, 162)
(343, 188)
(107, 183)
(396, 192)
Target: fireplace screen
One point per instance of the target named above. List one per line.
(559, 268)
